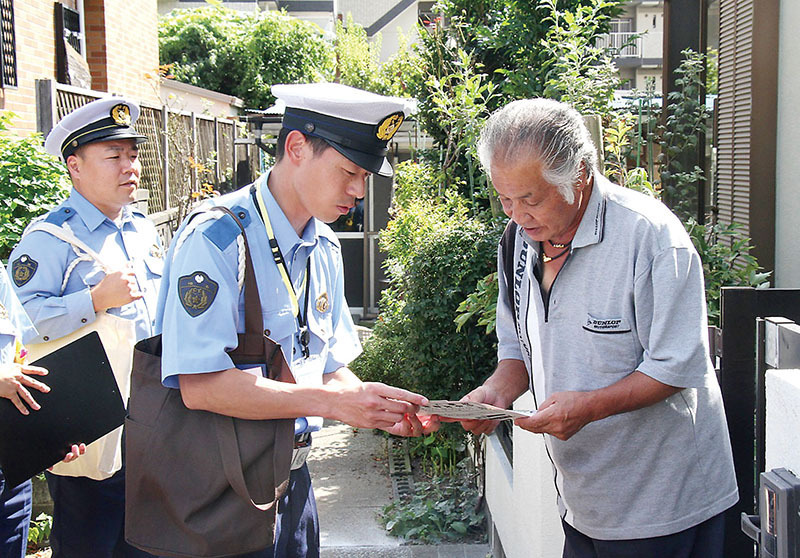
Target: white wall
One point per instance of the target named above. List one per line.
(652, 35)
(404, 23)
(522, 500)
(787, 171)
(783, 416)
(184, 97)
(642, 74)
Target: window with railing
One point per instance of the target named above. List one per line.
(8, 45)
(622, 39)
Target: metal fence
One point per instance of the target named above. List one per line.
(186, 153)
(740, 347)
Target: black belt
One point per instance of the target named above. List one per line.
(302, 440)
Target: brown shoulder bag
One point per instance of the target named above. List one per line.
(202, 484)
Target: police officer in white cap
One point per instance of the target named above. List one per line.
(333, 138)
(92, 263)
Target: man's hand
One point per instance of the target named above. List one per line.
(14, 382)
(561, 415)
(75, 452)
(414, 425)
(483, 394)
(116, 289)
(375, 405)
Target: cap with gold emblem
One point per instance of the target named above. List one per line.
(358, 124)
(105, 119)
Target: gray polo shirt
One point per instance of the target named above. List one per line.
(629, 297)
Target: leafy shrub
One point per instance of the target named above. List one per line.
(243, 54)
(39, 531)
(727, 261)
(446, 508)
(31, 182)
(358, 58)
(436, 254)
(678, 137)
(579, 73)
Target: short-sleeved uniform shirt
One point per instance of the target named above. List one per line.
(629, 297)
(201, 305)
(40, 262)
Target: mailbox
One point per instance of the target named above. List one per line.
(776, 528)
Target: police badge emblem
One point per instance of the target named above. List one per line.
(121, 114)
(196, 292)
(389, 126)
(23, 269)
(322, 303)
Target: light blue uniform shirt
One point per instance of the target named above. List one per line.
(197, 334)
(133, 241)
(14, 322)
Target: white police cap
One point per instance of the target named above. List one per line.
(358, 124)
(105, 119)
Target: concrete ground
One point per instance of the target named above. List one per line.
(351, 483)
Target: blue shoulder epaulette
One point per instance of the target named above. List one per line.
(60, 215)
(224, 230)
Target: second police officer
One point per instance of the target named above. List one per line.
(93, 262)
(333, 138)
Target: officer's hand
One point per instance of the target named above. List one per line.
(561, 415)
(482, 394)
(14, 382)
(116, 289)
(415, 425)
(75, 452)
(375, 405)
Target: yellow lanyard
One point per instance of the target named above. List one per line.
(277, 256)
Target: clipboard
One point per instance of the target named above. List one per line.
(84, 404)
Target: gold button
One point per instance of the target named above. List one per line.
(267, 332)
(46, 338)
(83, 320)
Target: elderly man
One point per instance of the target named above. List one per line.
(93, 263)
(605, 323)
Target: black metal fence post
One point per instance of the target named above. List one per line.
(740, 307)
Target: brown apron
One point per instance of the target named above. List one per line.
(202, 484)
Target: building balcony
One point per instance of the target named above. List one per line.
(631, 49)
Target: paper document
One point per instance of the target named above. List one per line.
(470, 410)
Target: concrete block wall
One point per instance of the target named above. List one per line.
(783, 418)
(522, 498)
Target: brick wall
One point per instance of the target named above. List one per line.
(34, 29)
(132, 48)
(121, 45)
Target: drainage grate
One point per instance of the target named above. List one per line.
(400, 467)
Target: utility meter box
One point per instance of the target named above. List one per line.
(777, 527)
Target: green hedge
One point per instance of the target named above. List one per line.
(436, 255)
(31, 182)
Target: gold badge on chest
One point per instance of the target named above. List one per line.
(322, 303)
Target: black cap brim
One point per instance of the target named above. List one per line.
(376, 164)
(107, 134)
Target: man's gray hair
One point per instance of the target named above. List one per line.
(543, 129)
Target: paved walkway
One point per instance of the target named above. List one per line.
(351, 484)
